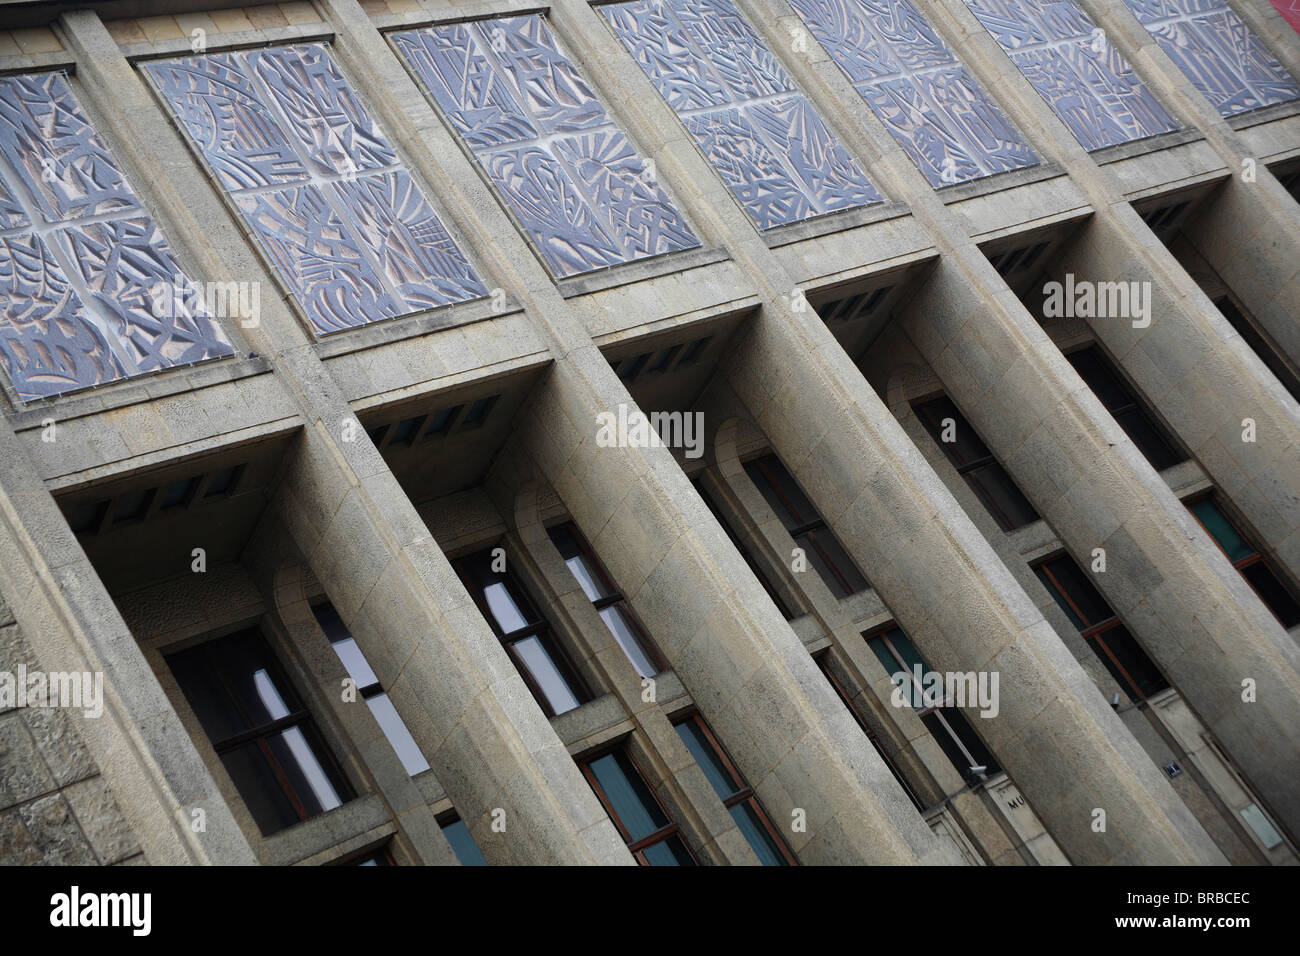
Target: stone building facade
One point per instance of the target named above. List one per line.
(969, 327)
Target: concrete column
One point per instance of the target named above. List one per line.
(484, 735)
(1057, 739)
(1254, 221)
(72, 625)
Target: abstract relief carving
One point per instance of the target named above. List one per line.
(762, 135)
(936, 110)
(571, 177)
(1069, 61)
(80, 259)
(347, 228)
(1217, 52)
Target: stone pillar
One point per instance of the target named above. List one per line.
(484, 735)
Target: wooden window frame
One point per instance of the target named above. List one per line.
(636, 848)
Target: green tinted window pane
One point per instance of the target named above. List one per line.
(628, 795)
(463, 844)
(710, 761)
(911, 661)
(1221, 530)
(759, 838)
(670, 852)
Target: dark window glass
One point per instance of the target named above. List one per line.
(179, 493)
(1245, 557)
(223, 481)
(976, 464)
(797, 514)
(258, 725)
(653, 839)
(523, 631)
(630, 368)
(381, 706)
(406, 430)
(1111, 390)
(378, 858)
(942, 718)
(1109, 639)
(1261, 346)
(441, 421)
(664, 358)
(479, 412)
(87, 517)
(735, 794)
(695, 349)
(462, 842)
(745, 553)
(607, 600)
(132, 506)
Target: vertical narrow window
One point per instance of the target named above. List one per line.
(1100, 627)
(1222, 59)
(734, 792)
(526, 635)
(261, 730)
(1072, 64)
(462, 842)
(90, 291)
(394, 728)
(349, 231)
(805, 525)
(1124, 406)
(942, 718)
(931, 104)
(745, 552)
(975, 463)
(607, 600)
(571, 177)
(823, 662)
(762, 135)
(651, 836)
(1250, 564)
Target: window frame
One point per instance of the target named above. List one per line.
(663, 834)
(1258, 557)
(1093, 632)
(536, 627)
(745, 793)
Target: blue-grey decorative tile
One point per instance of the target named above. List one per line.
(408, 240)
(667, 53)
(774, 151)
(333, 130)
(12, 215)
(378, 249)
(622, 189)
(578, 189)
(319, 257)
(1075, 69)
(544, 196)
(941, 117)
(80, 293)
(545, 82)
(751, 171)
(152, 307)
(818, 162)
(471, 91)
(221, 110)
(1221, 58)
(48, 343)
(53, 148)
